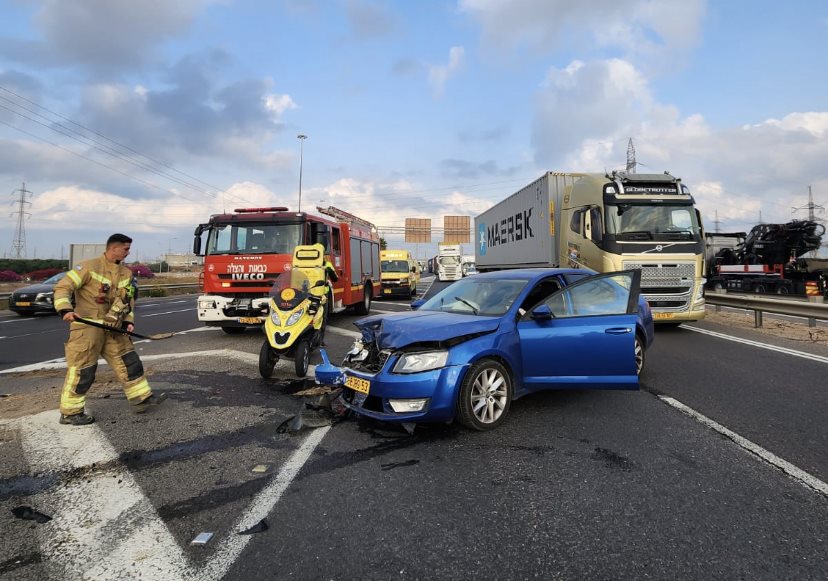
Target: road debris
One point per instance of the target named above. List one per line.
(259, 527)
(28, 513)
(259, 468)
(202, 539)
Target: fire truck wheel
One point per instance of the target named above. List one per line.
(365, 306)
(233, 330)
(301, 358)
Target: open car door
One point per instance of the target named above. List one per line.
(583, 336)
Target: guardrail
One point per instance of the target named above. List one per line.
(144, 290)
(759, 304)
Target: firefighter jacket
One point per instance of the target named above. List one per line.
(100, 288)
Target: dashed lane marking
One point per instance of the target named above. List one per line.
(797, 474)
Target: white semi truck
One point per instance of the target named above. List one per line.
(606, 222)
(449, 258)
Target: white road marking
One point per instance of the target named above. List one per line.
(168, 312)
(103, 527)
(796, 473)
(382, 312)
(346, 332)
(785, 350)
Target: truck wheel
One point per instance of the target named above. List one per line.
(301, 358)
(365, 306)
(233, 330)
(485, 395)
(759, 289)
(267, 360)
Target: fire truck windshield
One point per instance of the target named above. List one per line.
(657, 222)
(253, 238)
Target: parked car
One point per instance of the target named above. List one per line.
(486, 340)
(35, 298)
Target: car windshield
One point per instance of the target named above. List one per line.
(394, 266)
(253, 238)
(488, 297)
(54, 279)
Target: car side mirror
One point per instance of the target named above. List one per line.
(542, 313)
(417, 304)
(413, 269)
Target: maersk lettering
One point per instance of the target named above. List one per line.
(513, 228)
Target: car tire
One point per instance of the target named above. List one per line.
(364, 307)
(267, 360)
(640, 356)
(301, 358)
(233, 330)
(485, 395)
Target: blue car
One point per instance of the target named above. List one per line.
(488, 339)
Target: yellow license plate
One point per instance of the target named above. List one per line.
(250, 320)
(387, 291)
(24, 304)
(357, 384)
(658, 316)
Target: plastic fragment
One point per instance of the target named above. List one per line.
(256, 528)
(202, 539)
(28, 513)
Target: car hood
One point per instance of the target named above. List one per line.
(402, 329)
(33, 289)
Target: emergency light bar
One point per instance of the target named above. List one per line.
(260, 210)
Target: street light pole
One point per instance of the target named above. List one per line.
(301, 139)
(169, 251)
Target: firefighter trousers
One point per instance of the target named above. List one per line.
(85, 345)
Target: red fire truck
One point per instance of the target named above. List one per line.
(246, 250)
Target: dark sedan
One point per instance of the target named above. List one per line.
(35, 298)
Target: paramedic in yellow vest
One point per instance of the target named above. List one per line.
(104, 292)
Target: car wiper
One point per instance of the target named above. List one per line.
(464, 301)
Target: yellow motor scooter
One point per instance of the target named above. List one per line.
(296, 322)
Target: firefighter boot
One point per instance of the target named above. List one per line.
(152, 401)
(81, 419)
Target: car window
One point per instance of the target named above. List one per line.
(605, 295)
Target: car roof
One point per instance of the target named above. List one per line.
(529, 273)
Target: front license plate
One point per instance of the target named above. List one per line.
(250, 320)
(357, 384)
(387, 291)
(24, 304)
(662, 316)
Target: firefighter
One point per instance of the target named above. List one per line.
(104, 291)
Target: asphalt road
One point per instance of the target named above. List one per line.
(575, 485)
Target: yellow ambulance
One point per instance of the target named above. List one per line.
(399, 273)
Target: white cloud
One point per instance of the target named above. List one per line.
(278, 104)
(438, 75)
(586, 112)
(656, 31)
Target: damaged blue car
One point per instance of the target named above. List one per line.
(486, 340)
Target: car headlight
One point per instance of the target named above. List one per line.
(44, 297)
(207, 304)
(421, 361)
(295, 317)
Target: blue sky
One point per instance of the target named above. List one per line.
(176, 110)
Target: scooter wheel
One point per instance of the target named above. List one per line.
(301, 358)
(267, 360)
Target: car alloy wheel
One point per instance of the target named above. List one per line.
(639, 354)
(485, 395)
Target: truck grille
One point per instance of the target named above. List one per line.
(667, 286)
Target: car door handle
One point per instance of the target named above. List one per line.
(618, 330)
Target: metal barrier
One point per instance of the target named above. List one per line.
(807, 309)
(143, 290)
